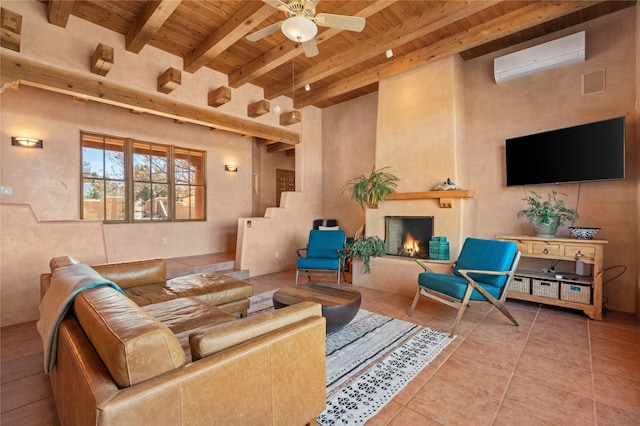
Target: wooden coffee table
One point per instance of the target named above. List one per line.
(339, 305)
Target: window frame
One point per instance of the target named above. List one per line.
(129, 147)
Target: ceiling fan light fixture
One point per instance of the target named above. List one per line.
(299, 29)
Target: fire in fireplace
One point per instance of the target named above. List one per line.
(408, 236)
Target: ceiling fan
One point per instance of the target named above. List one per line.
(302, 23)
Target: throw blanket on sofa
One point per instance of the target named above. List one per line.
(66, 283)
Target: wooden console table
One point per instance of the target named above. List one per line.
(569, 249)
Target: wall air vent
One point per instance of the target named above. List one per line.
(546, 56)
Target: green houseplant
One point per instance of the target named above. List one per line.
(364, 248)
(546, 215)
(369, 190)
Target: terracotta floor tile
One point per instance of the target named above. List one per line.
(509, 416)
(536, 399)
(608, 415)
(477, 377)
(617, 392)
(20, 340)
(22, 367)
(562, 357)
(610, 332)
(21, 392)
(408, 417)
(449, 404)
(545, 370)
(39, 413)
(572, 324)
(617, 365)
(615, 348)
(561, 338)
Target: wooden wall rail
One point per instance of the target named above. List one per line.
(25, 72)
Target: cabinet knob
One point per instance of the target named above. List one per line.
(579, 254)
(545, 251)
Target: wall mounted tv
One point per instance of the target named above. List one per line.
(593, 151)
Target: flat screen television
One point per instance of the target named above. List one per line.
(588, 152)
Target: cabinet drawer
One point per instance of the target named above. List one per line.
(580, 252)
(543, 248)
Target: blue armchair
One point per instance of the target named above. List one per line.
(324, 254)
(483, 272)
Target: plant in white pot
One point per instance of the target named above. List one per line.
(370, 190)
(547, 215)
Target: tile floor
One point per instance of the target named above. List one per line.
(556, 368)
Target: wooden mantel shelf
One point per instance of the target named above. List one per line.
(445, 197)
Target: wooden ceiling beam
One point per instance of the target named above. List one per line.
(279, 147)
(58, 12)
(405, 32)
(287, 50)
(69, 83)
(236, 27)
(153, 16)
(507, 24)
(264, 142)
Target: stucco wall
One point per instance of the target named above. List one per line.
(550, 100)
(493, 112)
(348, 149)
(39, 220)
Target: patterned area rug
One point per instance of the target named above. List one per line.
(369, 362)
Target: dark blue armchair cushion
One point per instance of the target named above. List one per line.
(453, 285)
(487, 255)
(325, 244)
(318, 263)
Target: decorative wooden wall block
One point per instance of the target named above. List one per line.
(291, 117)
(258, 108)
(220, 96)
(102, 59)
(58, 12)
(11, 24)
(169, 80)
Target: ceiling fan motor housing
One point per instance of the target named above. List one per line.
(301, 8)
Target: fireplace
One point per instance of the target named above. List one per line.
(408, 236)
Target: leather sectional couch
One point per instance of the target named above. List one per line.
(186, 356)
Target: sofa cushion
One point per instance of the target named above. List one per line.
(187, 313)
(218, 288)
(209, 341)
(132, 344)
(134, 273)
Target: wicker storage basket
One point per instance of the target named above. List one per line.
(520, 285)
(545, 288)
(573, 292)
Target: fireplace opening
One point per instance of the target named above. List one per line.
(408, 236)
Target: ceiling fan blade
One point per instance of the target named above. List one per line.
(266, 31)
(341, 22)
(310, 48)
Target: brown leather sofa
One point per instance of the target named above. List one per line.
(183, 361)
(145, 282)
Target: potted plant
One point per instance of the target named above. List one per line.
(546, 215)
(372, 189)
(364, 248)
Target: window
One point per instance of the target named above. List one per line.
(126, 180)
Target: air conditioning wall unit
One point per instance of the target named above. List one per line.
(553, 54)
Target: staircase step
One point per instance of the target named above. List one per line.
(223, 263)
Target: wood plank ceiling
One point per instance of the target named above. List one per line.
(212, 34)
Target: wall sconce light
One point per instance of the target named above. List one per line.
(26, 142)
(389, 54)
(230, 168)
(307, 87)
